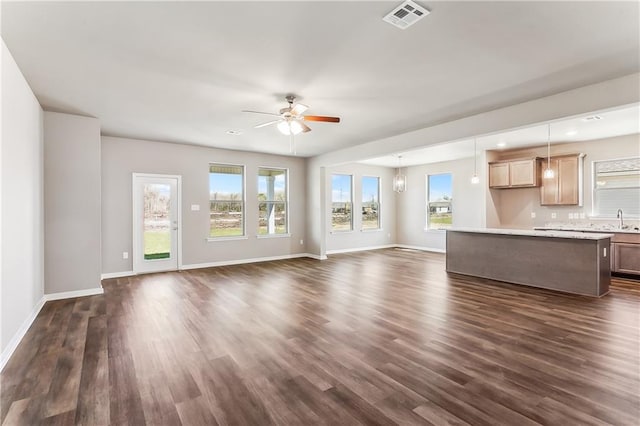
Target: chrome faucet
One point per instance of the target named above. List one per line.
(619, 216)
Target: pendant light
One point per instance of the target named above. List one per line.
(475, 179)
(399, 180)
(548, 173)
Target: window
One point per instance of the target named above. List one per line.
(272, 201)
(439, 200)
(370, 202)
(341, 203)
(616, 185)
(226, 195)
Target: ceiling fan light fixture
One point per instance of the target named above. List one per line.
(288, 127)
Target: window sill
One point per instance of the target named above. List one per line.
(342, 232)
(240, 237)
(436, 231)
(372, 230)
(267, 236)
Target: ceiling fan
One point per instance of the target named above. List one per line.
(290, 120)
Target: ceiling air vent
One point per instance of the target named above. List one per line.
(591, 118)
(405, 15)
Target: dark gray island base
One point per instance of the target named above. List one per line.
(570, 262)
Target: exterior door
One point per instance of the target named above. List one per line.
(156, 223)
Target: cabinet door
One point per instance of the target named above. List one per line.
(627, 258)
(568, 180)
(498, 175)
(523, 173)
(549, 187)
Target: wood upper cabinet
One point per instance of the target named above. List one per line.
(499, 175)
(564, 188)
(514, 173)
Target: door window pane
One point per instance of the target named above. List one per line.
(370, 202)
(157, 223)
(226, 195)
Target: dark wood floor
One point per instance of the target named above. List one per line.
(382, 337)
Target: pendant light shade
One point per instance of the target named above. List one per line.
(475, 179)
(548, 173)
(399, 180)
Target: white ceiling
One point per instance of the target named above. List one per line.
(624, 121)
(183, 71)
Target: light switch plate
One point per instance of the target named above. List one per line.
(554, 215)
(195, 207)
(533, 215)
(125, 254)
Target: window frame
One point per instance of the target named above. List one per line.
(378, 203)
(350, 203)
(242, 203)
(428, 227)
(594, 189)
(287, 232)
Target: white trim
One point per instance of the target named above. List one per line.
(73, 294)
(267, 236)
(239, 237)
(421, 248)
(315, 256)
(110, 275)
(349, 250)
(17, 338)
(243, 261)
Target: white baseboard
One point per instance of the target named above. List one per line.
(17, 338)
(109, 275)
(421, 248)
(72, 294)
(351, 250)
(315, 256)
(243, 261)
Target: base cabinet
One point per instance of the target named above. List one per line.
(626, 258)
(625, 253)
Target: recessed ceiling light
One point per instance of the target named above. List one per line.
(591, 118)
(572, 133)
(234, 132)
(502, 144)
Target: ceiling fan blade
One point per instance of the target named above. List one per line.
(299, 109)
(321, 118)
(305, 128)
(260, 112)
(266, 124)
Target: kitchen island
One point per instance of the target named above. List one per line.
(571, 262)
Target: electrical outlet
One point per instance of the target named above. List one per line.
(533, 215)
(125, 254)
(554, 215)
(301, 242)
(195, 207)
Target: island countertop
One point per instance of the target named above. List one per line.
(537, 233)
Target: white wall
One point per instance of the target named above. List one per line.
(21, 152)
(468, 201)
(516, 205)
(72, 203)
(358, 239)
(122, 157)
